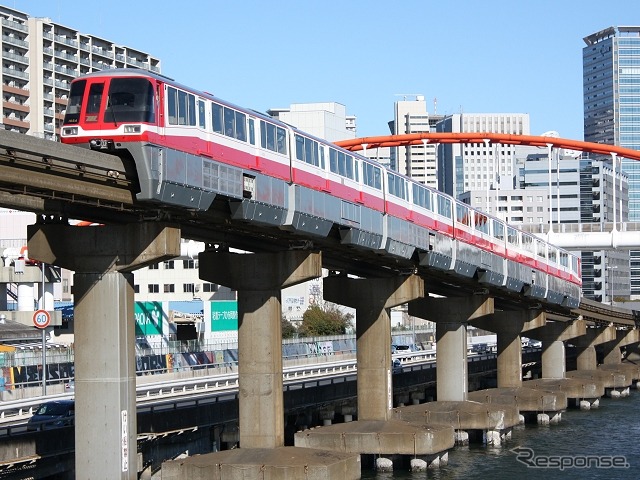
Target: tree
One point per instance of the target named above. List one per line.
(288, 329)
(324, 319)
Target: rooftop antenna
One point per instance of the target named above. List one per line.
(435, 105)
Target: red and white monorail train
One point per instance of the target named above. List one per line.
(189, 146)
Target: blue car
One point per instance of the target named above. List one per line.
(54, 414)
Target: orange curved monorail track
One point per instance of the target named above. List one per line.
(480, 137)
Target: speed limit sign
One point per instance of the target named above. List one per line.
(41, 318)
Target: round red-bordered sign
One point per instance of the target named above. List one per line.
(41, 318)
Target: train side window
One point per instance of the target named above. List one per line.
(444, 206)
(216, 118)
(172, 105)
(281, 140)
(241, 126)
(192, 110)
(300, 148)
(498, 230)
(93, 101)
(252, 132)
(349, 166)
(333, 160)
(182, 107)
(462, 214)
(229, 121)
(271, 137)
(512, 236)
(356, 170)
(371, 175)
(201, 114)
(421, 196)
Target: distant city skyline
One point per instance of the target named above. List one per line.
(490, 57)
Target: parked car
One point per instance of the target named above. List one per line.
(480, 348)
(54, 414)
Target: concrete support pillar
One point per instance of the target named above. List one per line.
(25, 297)
(508, 326)
(612, 355)
(553, 335)
(553, 359)
(451, 361)
(372, 298)
(451, 316)
(623, 338)
(105, 375)
(259, 279)
(585, 345)
(587, 359)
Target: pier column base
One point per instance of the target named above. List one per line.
(105, 368)
(452, 316)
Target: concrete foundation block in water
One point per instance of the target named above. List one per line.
(384, 465)
(462, 437)
(418, 465)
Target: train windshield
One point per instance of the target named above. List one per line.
(130, 100)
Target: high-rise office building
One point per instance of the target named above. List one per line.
(611, 89)
(39, 60)
(415, 161)
(477, 166)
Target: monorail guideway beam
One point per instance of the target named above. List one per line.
(372, 298)
(103, 259)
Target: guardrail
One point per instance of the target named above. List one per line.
(18, 410)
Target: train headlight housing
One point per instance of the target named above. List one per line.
(132, 129)
(70, 130)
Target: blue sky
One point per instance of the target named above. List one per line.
(472, 56)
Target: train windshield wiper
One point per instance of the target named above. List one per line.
(110, 109)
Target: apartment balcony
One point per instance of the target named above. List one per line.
(66, 71)
(102, 52)
(14, 122)
(15, 90)
(66, 41)
(15, 41)
(62, 101)
(15, 25)
(17, 107)
(16, 58)
(12, 72)
(65, 56)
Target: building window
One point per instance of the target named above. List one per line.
(168, 265)
(136, 288)
(155, 266)
(154, 288)
(169, 288)
(209, 287)
(188, 288)
(189, 264)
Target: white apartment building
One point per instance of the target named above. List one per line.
(327, 120)
(415, 161)
(39, 60)
(478, 166)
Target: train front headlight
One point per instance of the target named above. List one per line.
(132, 129)
(70, 130)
